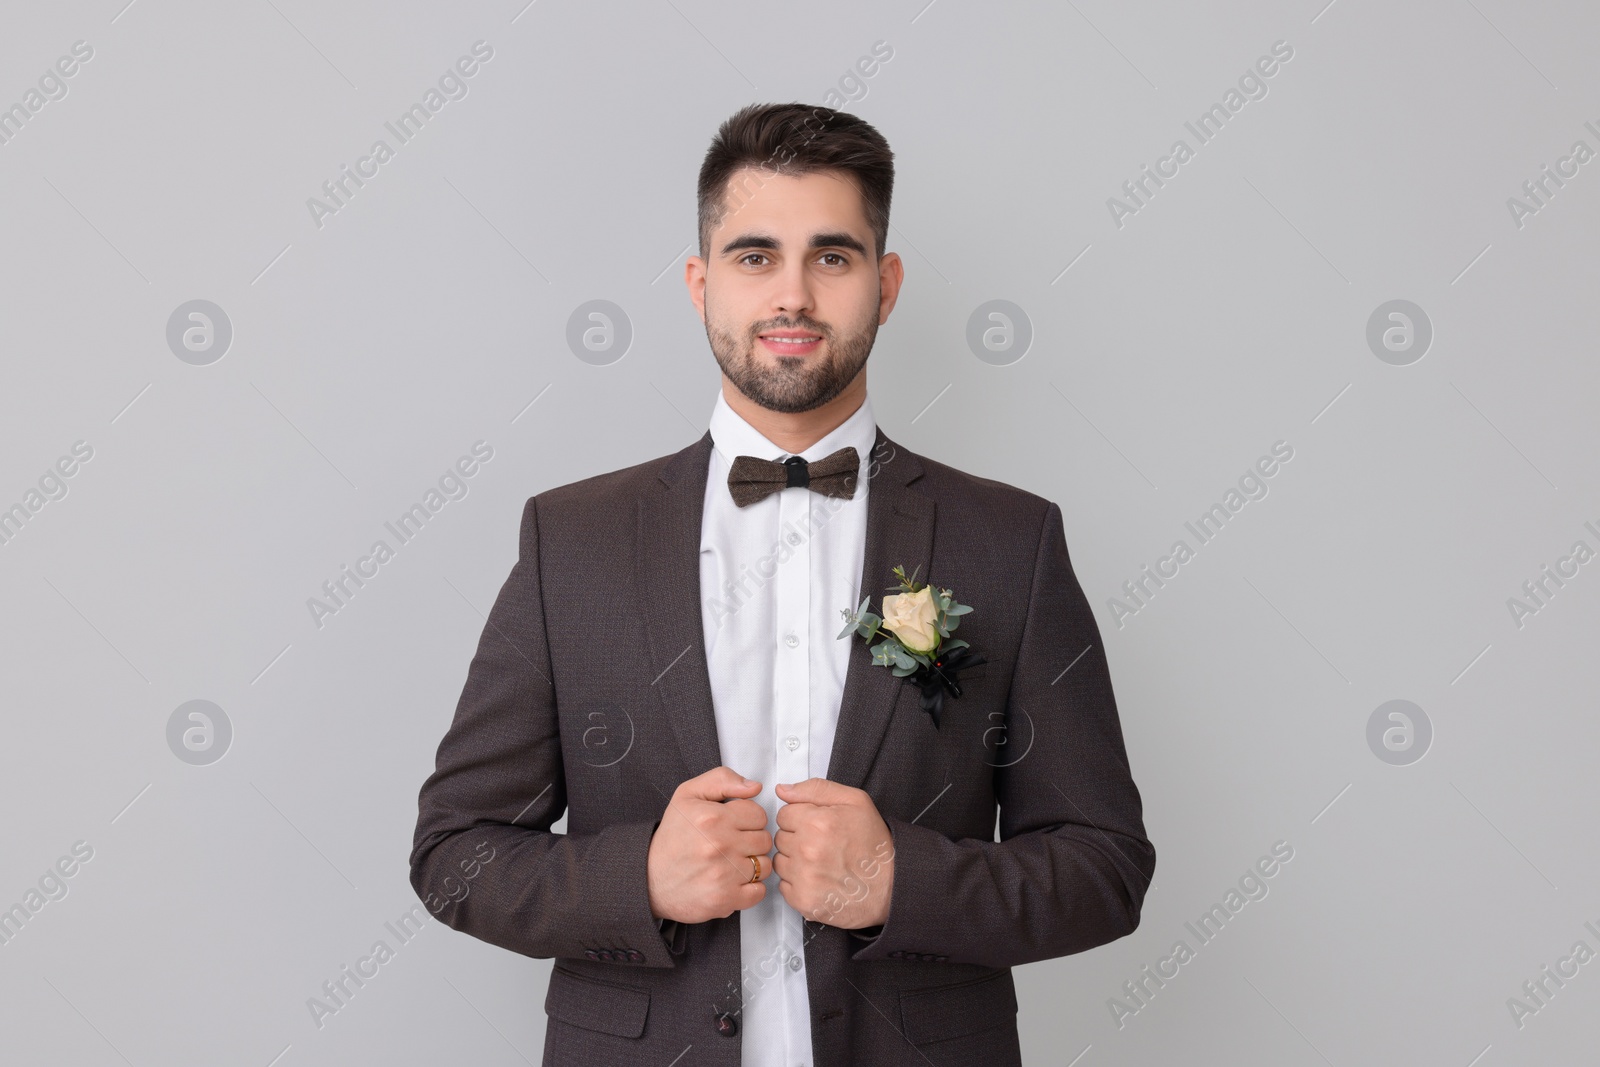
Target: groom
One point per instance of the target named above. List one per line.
(774, 853)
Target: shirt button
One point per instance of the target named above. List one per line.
(794, 963)
(791, 742)
(794, 539)
(791, 639)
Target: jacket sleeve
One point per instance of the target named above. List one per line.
(484, 859)
(1072, 864)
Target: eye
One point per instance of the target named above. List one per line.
(746, 257)
(837, 256)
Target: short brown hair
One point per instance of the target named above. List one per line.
(795, 139)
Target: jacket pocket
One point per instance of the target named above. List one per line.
(939, 1013)
(595, 1005)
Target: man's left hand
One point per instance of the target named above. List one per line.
(835, 861)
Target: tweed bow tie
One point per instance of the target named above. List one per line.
(751, 479)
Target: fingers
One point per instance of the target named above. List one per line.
(744, 814)
(751, 843)
(718, 784)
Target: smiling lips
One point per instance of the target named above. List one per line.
(790, 342)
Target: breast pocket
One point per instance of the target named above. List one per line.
(606, 1007)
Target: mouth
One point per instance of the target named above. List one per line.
(790, 342)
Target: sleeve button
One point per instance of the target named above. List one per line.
(590, 953)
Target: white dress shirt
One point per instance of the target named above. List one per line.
(773, 578)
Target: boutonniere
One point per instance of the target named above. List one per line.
(917, 645)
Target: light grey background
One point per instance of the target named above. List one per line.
(1168, 354)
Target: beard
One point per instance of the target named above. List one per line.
(794, 383)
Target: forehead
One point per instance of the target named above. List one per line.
(792, 204)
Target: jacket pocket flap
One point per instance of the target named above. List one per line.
(947, 1011)
(596, 1005)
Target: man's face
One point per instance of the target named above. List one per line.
(792, 257)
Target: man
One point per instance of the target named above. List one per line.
(775, 854)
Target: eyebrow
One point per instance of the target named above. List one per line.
(818, 240)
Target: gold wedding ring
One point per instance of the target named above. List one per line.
(755, 869)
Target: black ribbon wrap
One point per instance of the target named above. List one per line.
(942, 678)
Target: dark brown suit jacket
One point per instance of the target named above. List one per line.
(589, 693)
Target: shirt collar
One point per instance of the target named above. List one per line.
(732, 436)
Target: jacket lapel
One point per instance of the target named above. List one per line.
(900, 522)
(899, 533)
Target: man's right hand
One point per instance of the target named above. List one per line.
(699, 867)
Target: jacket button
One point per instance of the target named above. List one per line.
(896, 954)
(635, 956)
(591, 954)
(727, 1025)
(928, 957)
(941, 959)
(605, 954)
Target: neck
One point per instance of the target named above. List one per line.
(794, 432)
